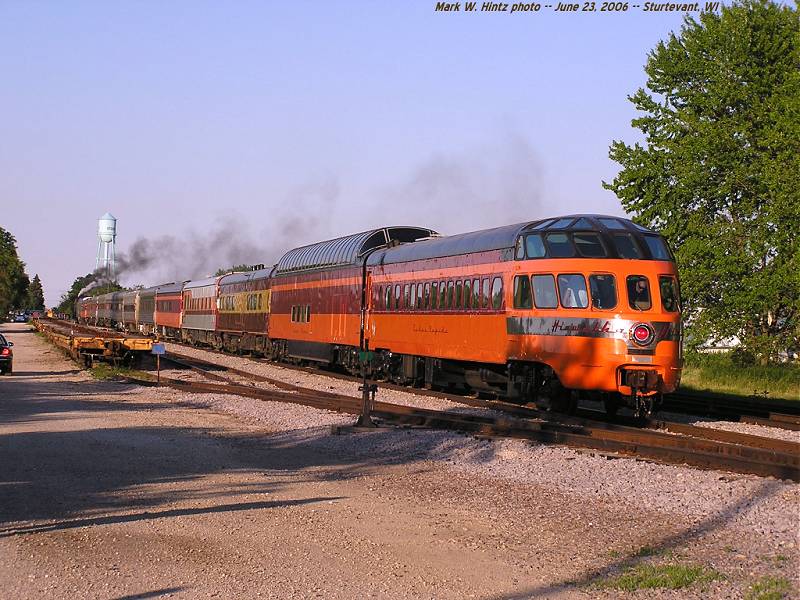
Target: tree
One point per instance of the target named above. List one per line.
(719, 170)
(13, 280)
(36, 294)
(233, 269)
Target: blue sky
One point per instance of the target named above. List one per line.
(245, 128)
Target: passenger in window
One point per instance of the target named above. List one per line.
(638, 293)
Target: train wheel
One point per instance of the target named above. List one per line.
(611, 404)
(563, 401)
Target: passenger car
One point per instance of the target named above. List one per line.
(6, 356)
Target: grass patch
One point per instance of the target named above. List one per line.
(672, 577)
(105, 371)
(718, 373)
(769, 588)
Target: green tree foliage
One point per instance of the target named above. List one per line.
(718, 172)
(36, 294)
(233, 269)
(83, 286)
(13, 280)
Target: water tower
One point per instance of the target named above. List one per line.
(107, 240)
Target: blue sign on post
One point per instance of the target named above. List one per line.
(158, 350)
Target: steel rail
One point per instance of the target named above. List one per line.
(713, 450)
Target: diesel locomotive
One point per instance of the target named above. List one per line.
(546, 311)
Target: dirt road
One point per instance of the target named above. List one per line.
(114, 491)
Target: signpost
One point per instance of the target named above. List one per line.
(158, 350)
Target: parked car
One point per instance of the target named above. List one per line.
(21, 319)
(6, 356)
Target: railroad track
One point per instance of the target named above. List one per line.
(755, 410)
(783, 414)
(661, 441)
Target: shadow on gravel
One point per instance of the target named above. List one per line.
(147, 515)
(656, 547)
(39, 400)
(21, 374)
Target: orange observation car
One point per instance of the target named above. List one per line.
(548, 311)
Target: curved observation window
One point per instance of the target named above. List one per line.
(626, 246)
(658, 249)
(589, 245)
(560, 245)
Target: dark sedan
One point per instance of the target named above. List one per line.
(6, 356)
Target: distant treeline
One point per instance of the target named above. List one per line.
(17, 291)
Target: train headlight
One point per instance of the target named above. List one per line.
(642, 334)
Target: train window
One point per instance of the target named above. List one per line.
(612, 224)
(519, 251)
(589, 245)
(308, 313)
(544, 224)
(485, 293)
(603, 290)
(388, 300)
(561, 223)
(658, 249)
(450, 289)
(458, 301)
(419, 297)
(544, 291)
(626, 246)
(397, 296)
(669, 293)
(442, 295)
(426, 296)
(467, 294)
(582, 223)
(260, 301)
(497, 293)
(559, 245)
(476, 293)
(406, 296)
(294, 314)
(434, 295)
(522, 292)
(639, 292)
(572, 289)
(412, 298)
(534, 247)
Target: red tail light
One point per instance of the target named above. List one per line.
(642, 334)
(5, 352)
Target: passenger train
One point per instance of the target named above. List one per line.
(545, 311)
